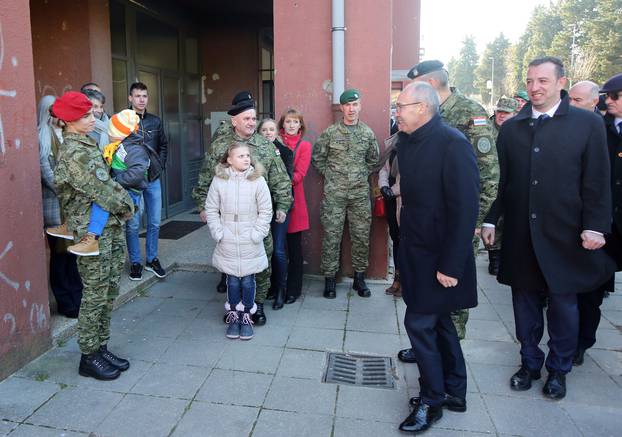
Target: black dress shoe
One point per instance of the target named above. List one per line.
(521, 380)
(360, 286)
(291, 299)
(421, 418)
(120, 363)
(555, 386)
(95, 366)
(330, 283)
(259, 318)
(407, 356)
(279, 299)
(579, 357)
(452, 403)
(222, 285)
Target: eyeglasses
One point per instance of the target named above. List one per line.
(613, 95)
(400, 106)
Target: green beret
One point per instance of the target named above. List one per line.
(349, 96)
(522, 94)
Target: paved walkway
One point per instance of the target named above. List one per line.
(187, 379)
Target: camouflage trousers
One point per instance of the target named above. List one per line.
(335, 208)
(100, 275)
(262, 279)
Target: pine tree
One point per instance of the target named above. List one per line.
(496, 51)
(463, 76)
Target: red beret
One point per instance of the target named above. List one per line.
(71, 106)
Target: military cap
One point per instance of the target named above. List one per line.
(522, 94)
(349, 96)
(506, 104)
(613, 84)
(241, 102)
(425, 67)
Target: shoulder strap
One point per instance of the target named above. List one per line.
(296, 147)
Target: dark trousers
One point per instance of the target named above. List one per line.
(279, 255)
(64, 277)
(589, 314)
(390, 210)
(562, 315)
(439, 356)
(294, 269)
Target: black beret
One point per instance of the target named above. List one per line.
(613, 84)
(425, 67)
(241, 102)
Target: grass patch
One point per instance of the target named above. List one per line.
(41, 376)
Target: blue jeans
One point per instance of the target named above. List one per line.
(99, 216)
(241, 290)
(153, 207)
(279, 255)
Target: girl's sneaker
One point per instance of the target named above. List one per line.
(246, 327)
(233, 325)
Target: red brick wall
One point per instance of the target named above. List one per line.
(24, 311)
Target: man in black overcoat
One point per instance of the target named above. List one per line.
(440, 197)
(555, 198)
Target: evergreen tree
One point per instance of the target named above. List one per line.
(463, 76)
(495, 53)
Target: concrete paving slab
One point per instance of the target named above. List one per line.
(26, 430)
(487, 330)
(483, 311)
(287, 424)
(475, 419)
(317, 302)
(372, 404)
(76, 408)
(608, 339)
(211, 420)
(193, 352)
(171, 380)
(495, 379)
(537, 418)
(613, 316)
(298, 363)
(371, 322)
(273, 335)
(142, 305)
(603, 421)
(372, 342)
(301, 395)
(349, 427)
(609, 361)
(138, 416)
(20, 397)
(210, 329)
(6, 427)
(316, 318)
(140, 345)
(244, 356)
(490, 352)
(157, 325)
(187, 308)
(318, 339)
(235, 388)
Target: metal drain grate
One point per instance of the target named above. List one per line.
(361, 370)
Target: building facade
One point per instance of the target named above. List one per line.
(194, 55)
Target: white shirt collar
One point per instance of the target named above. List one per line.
(617, 120)
(550, 112)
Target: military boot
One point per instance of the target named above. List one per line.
(120, 363)
(259, 318)
(494, 257)
(95, 366)
(359, 284)
(330, 283)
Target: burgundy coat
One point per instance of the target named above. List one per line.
(298, 215)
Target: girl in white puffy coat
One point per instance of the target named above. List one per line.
(239, 211)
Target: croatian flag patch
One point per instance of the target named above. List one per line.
(479, 121)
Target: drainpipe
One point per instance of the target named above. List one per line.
(338, 32)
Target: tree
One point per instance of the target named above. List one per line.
(462, 70)
(495, 53)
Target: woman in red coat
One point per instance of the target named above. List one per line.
(292, 129)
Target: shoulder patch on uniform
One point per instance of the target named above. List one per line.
(479, 121)
(484, 145)
(102, 174)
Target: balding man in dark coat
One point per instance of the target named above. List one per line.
(440, 194)
(555, 199)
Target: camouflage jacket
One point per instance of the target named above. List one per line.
(344, 156)
(264, 152)
(470, 118)
(82, 177)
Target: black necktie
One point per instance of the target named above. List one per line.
(540, 120)
(620, 128)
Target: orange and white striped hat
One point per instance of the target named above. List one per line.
(123, 124)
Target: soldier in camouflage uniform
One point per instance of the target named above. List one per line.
(242, 129)
(470, 118)
(345, 154)
(82, 178)
(505, 109)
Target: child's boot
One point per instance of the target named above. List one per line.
(88, 246)
(246, 326)
(60, 232)
(233, 325)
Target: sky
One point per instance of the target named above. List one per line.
(445, 23)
